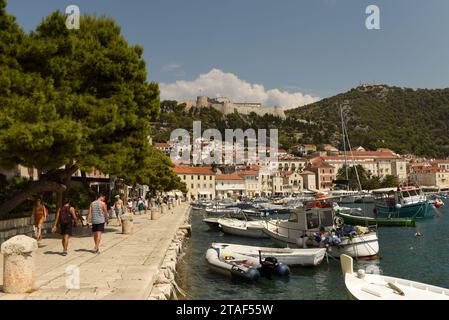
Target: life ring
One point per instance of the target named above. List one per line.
(338, 221)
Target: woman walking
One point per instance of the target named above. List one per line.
(40, 215)
(98, 215)
(66, 218)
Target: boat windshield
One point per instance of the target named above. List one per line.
(409, 193)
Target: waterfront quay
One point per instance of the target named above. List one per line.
(130, 266)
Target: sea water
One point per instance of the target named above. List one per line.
(402, 254)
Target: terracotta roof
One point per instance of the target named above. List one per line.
(249, 173)
(194, 170)
(232, 176)
(439, 161)
(430, 169)
(161, 145)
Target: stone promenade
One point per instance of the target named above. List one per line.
(126, 268)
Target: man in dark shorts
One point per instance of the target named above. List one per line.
(66, 218)
(98, 215)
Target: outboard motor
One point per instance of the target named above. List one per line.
(270, 266)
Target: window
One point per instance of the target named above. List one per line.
(184, 177)
(204, 177)
(199, 186)
(210, 178)
(211, 185)
(204, 186)
(191, 186)
(191, 177)
(199, 177)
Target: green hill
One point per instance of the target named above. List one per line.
(404, 120)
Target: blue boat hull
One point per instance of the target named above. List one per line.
(418, 210)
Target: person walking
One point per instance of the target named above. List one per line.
(98, 215)
(140, 206)
(39, 214)
(118, 209)
(130, 205)
(66, 218)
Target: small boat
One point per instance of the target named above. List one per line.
(291, 257)
(402, 202)
(316, 225)
(249, 229)
(221, 211)
(244, 268)
(362, 286)
(354, 218)
(259, 212)
(213, 223)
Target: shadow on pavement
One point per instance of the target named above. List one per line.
(53, 252)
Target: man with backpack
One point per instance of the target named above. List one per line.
(66, 218)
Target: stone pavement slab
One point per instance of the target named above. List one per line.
(125, 269)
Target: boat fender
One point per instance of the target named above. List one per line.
(282, 270)
(338, 221)
(398, 206)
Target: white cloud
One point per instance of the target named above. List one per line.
(217, 83)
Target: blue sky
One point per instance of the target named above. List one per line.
(309, 48)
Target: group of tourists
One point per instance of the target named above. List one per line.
(67, 218)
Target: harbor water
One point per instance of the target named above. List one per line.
(402, 254)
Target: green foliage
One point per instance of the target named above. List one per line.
(12, 186)
(404, 120)
(79, 196)
(78, 95)
(367, 181)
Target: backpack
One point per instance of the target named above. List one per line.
(66, 217)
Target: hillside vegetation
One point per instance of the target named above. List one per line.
(404, 120)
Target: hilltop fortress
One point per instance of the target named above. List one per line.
(226, 106)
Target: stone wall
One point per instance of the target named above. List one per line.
(165, 286)
(12, 227)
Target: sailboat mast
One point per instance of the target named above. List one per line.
(344, 145)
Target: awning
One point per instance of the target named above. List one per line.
(204, 192)
(179, 193)
(170, 194)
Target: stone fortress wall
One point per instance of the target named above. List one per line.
(226, 106)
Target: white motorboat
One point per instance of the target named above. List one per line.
(212, 222)
(288, 256)
(221, 211)
(363, 286)
(314, 226)
(250, 229)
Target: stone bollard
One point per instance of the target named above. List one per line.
(127, 224)
(163, 208)
(154, 214)
(18, 264)
(170, 206)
